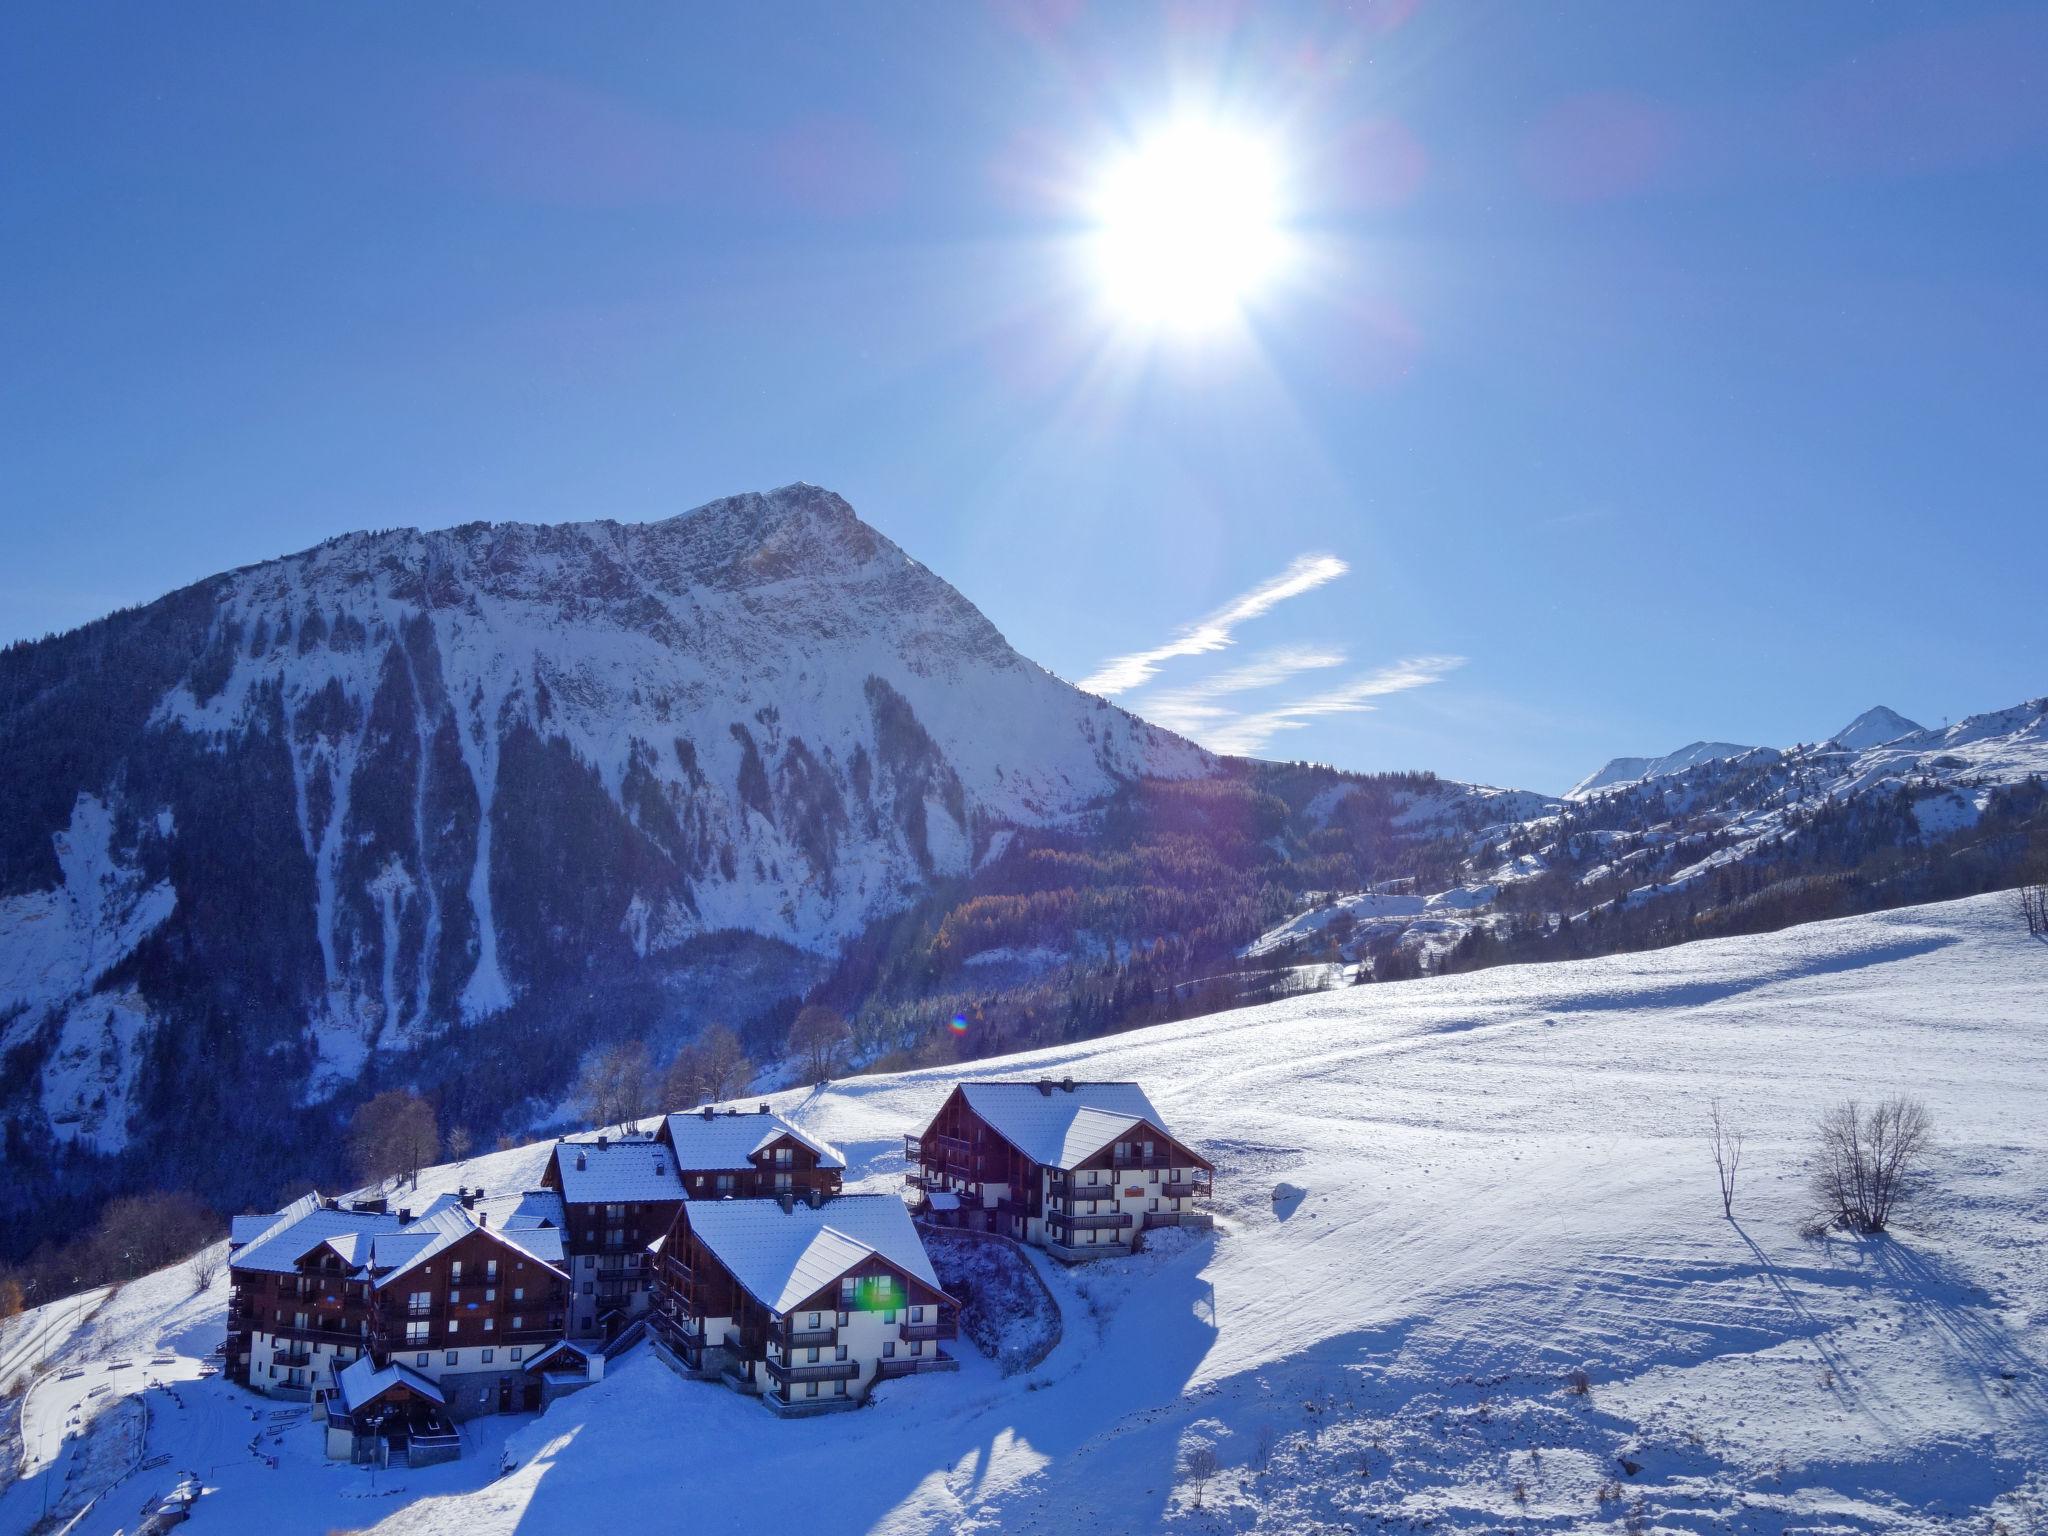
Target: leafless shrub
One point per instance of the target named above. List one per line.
(1726, 1143)
(2031, 902)
(1862, 1159)
(1520, 1491)
(204, 1266)
(1608, 1492)
(617, 1085)
(1198, 1465)
(1577, 1382)
(1262, 1447)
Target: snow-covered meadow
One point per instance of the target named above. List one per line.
(1494, 1181)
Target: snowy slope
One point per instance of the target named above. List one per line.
(1491, 1180)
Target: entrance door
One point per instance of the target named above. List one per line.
(504, 1394)
(533, 1397)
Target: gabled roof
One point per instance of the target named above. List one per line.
(361, 1383)
(279, 1250)
(617, 1171)
(378, 1242)
(244, 1230)
(727, 1143)
(561, 1347)
(1051, 1128)
(782, 1258)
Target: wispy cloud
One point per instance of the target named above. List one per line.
(1226, 732)
(1192, 709)
(1122, 673)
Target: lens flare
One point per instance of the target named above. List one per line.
(959, 1024)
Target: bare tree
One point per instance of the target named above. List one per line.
(1726, 1144)
(460, 1143)
(1862, 1159)
(1198, 1466)
(2031, 902)
(723, 1063)
(616, 1085)
(204, 1266)
(682, 1081)
(394, 1133)
(819, 1039)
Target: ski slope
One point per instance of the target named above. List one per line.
(1490, 1181)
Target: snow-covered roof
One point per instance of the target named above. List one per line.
(728, 1142)
(280, 1248)
(616, 1171)
(559, 1347)
(783, 1257)
(361, 1383)
(1058, 1129)
(379, 1240)
(244, 1230)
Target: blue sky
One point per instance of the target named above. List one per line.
(1650, 372)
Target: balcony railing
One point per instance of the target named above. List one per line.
(1137, 1159)
(1096, 1223)
(942, 1328)
(913, 1150)
(809, 1338)
(914, 1365)
(1188, 1189)
(823, 1370)
(290, 1357)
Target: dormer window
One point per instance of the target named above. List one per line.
(783, 1156)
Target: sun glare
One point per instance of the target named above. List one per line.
(1189, 227)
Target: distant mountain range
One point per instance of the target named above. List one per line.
(450, 808)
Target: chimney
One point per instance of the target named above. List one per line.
(710, 1111)
(582, 1161)
(1045, 1086)
(660, 1169)
(601, 1141)
(1066, 1085)
(483, 1218)
(405, 1215)
(467, 1197)
(787, 1201)
(762, 1110)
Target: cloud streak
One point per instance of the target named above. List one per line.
(1122, 673)
(1193, 709)
(1223, 731)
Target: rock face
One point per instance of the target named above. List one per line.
(344, 803)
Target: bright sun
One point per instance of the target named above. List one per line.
(1189, 227)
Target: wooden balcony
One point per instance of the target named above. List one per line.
(822, 1370)
(809, 1338)
(913, 1150)
(1137, 1159)
(1188, 1189)
(1100, 1222)
(290, 1357)
(945, 1327)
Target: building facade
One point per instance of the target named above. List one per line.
(805, 1304)
(1082, 1170)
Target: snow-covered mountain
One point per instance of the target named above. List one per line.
(1873, 728)
(399, 783)
(1633, 770)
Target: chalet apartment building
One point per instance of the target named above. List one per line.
(805, 1303)
(467, 1294)
(1079, 1169)
(620, 1193)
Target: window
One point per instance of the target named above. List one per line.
(816, 1320)
(416, 1333)
(842, 1319)
(423, 1360)
(888, 1349)
(839, 1353)
(490, 1324)
(782, 1156)
(518, 1322)
(810, 1389)
(419, 1303)
(454, 1326)
(519, 1293)
(589, 1288)
(614, 1213)
(491, 1272)
(455, 1272)
(839, 1389)
(518, 1350)
(490, 1296)
(453, 1356)
(811, 1355)
(917, 1346)
(615, 1237)
(488, 1354)
(1153, 1175)
(1152, 1204)
(846, 1297)
(917, 1314)
(782, 1184)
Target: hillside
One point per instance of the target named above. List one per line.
(1435, 1201)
